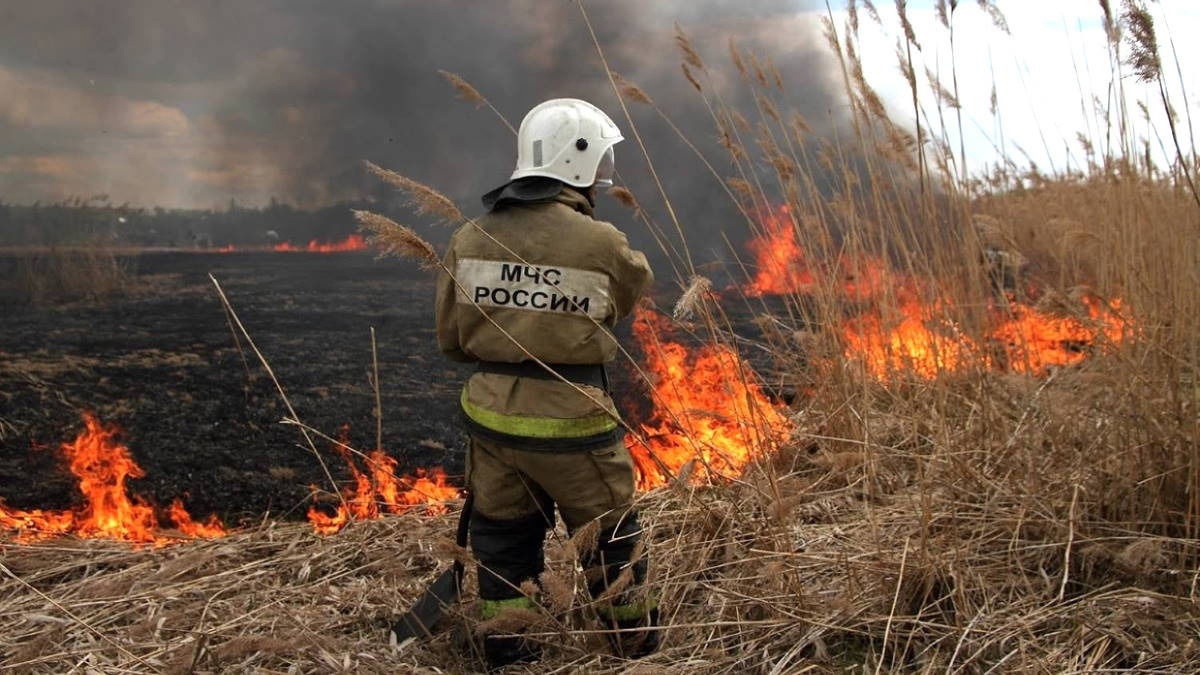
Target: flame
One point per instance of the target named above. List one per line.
(710, 419)
(227, 248)
(910, 344)
(354, 242)
(102, 466)
(781, 266)
(378, 490)
(1034, 341)
(868, 278)
(1021, 339)
(909, 336)
(779, 257)
(211, 528)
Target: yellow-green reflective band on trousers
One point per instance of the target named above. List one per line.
(537, 427)
(629, 612)
(490, 609)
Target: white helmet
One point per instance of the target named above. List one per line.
(567, 139)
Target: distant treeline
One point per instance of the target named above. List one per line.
(96, 221)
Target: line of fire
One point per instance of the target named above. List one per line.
(709, 416)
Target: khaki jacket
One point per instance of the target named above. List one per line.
(554, 281)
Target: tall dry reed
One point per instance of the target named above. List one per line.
(978, 520)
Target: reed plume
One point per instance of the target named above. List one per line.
(394, 239)
(625, 197)
(424, 199)
(631, 91)
(685, 308)
(469, 93)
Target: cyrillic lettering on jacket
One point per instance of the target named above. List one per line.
(565, 290)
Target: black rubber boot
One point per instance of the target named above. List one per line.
(509, 552)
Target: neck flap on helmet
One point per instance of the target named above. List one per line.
(523, 190)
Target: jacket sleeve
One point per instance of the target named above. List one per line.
(631, 276)
(446, 312)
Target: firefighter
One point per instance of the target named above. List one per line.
(534, 288)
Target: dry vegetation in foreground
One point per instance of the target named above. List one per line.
(979, 521)
(55, 276)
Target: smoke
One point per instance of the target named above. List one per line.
(191, 104)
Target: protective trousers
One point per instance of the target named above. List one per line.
(516, 492)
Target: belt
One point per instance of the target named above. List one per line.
(590, 373)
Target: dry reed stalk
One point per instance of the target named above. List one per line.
(424, 199)
(262, 359)
(998, 19)
(733, 577)
(920, 525)
(690, 56)
(464, 88)
(467, 92)
(625, 197)
(692, 298)
(631, 91)
(397, 240)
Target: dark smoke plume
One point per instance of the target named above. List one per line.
(187, 103)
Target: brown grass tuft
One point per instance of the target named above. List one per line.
(464, 88)
(690, 56)
(397, 240)
(698, 287)
(1143, 44)
(625, 197)
(736, 57)
(994, 13)
(631, 91)
(585, 539)
(424, 199)
(687, 72)
(558, 590)
(510, 620)
(742, 188)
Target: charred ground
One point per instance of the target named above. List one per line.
(162, 363)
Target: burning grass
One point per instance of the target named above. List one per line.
(992, 463)
(905, 551)
(102, 465)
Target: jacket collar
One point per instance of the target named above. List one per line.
(534, 190)
(575, 199)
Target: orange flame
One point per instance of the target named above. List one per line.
(354, 242)
(710, 416)
(378, 490)
(1034, 341)
(910, 344)
(211, 528)
(1023, 339)
(779, 257)
(867, 278)
(914, 337)
(102, 466)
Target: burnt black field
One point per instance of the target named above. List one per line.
(162, 363)
(199, 412)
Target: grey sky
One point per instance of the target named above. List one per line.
(185, 103)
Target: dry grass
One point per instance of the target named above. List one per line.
(272, 597)
(395, 239)
(898, 553)
(422, 198)
(977, 521)
(68, 275)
